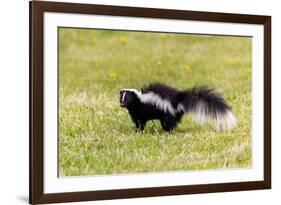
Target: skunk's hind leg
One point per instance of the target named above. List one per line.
(168, 123)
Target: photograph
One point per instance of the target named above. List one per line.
(129, 102)
(136, 102)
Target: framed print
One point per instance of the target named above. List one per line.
(139, 102)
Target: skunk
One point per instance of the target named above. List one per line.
(167, 104)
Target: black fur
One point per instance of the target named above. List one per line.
(141, 112)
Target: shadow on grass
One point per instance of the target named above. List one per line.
(155, 129)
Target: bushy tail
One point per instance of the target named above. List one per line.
(206, 104)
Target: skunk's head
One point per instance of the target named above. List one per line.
(128, 97)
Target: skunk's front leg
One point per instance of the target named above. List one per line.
(140, 124)
(137, 123)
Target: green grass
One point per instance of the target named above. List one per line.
(96, 136)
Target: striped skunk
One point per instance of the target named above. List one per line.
(162, 102)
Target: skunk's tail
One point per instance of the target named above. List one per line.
(206, 104)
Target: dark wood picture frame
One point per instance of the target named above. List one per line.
(37, 8)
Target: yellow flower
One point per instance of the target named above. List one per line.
(186, 68)
(113, 75)
(123, 39)
(231, 61)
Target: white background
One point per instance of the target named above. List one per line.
(14, 101)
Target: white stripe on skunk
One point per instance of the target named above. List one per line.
(154, 99)
(161, 104)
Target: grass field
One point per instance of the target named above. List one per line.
(96, 136)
